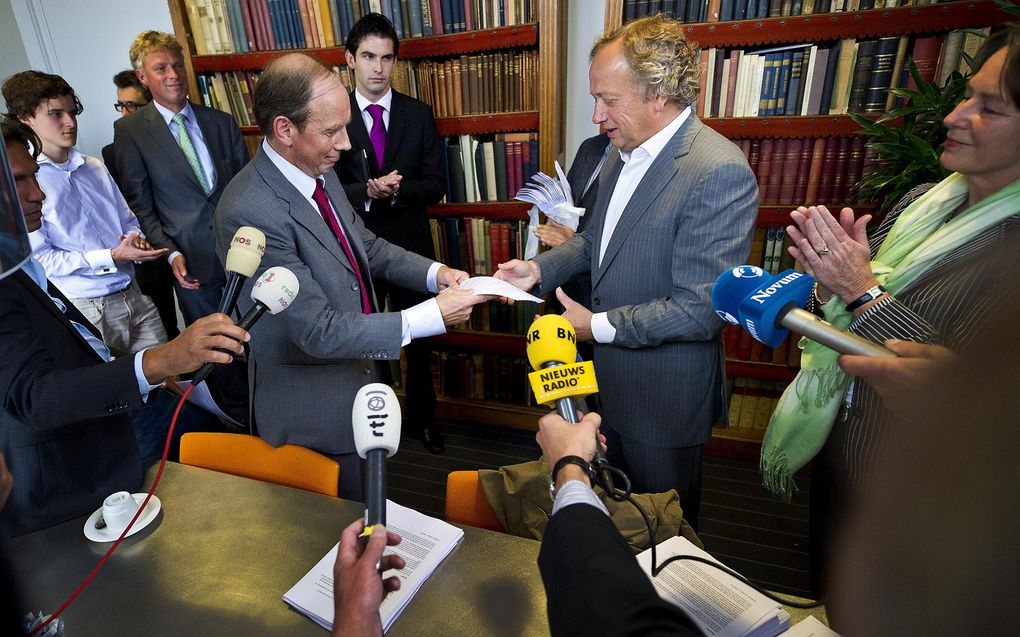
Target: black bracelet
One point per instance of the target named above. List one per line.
(868, 296)
(576, 460)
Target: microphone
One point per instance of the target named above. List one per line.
(376, 420)
(769, 307)
(272, 292)
(243, 257)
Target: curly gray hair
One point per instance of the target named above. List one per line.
(660, 57)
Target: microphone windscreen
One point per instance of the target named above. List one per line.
(376, 419)
(762, 310)
(551, 339)
(246, 251)
(733, 286)
(276, 289)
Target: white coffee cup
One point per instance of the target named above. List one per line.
(118, 509)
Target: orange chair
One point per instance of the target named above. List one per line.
(466, 503)
(252, 457)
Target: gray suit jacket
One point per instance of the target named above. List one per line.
(661, 381)
(162, 190)
(308, 362)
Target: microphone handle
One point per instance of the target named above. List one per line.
(567, 410)
(230, 292)
(375, 487)
(813, 327)
(254, 314)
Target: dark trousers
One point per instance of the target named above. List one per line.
(152, 423)
(156, 280)
(830, 501)
(198, 303)
(657, 469)
(419, 391)
(352, 475)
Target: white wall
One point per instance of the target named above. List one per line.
(85, 42)
(585, 20)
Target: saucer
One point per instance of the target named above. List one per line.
(108, 535)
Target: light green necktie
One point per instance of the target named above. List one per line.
(188, 148)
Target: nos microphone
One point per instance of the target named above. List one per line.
(243, 257)
(769, 307)
(272, 292)
(376, 420)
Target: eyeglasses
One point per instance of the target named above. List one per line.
(130, 107)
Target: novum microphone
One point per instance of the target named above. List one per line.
(376, 420)
(769, 307)
(272, 292)
(243, 258)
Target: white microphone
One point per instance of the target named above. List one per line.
(272, 292)
(243, 258)
(376, 420)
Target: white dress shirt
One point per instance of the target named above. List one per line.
(84, 217)
(424, 319)
(635, 164)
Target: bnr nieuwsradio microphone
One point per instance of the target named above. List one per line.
(376, 419)
(243, 257)
(272, 292)
(769, 307)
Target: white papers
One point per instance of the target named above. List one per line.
(720, 605)
(200, 397)
(492, 285)
(425, 543)
(810, 627)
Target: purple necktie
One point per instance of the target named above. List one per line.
(322, 201)
(378, 134)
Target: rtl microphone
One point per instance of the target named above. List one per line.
(272, 292)
(769, 307)
(376, 419)
(243, 257)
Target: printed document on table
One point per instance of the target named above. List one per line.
(719, 604)
(810, 627)
(425, 543)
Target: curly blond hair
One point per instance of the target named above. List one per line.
(150, 41)
(660, 57)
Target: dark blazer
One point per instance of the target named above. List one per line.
(414, 149)
(308, 362)
(661, 381)
(162, 190)
(64, 426)
(593, 584)
(111, 162)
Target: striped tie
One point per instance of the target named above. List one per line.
(188, 148)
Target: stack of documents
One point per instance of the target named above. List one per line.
(719, 604)
(425, 543)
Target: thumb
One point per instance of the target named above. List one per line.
(565, 300)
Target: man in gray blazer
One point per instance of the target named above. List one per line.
(678, 209)
(174, 159)
(308, 363)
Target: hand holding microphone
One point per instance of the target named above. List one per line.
(376, 420)
(273, 292)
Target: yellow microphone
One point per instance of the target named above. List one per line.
(558, 376)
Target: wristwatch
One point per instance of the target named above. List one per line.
(564, 461)
(870, 295)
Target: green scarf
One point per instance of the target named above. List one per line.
(917, 241)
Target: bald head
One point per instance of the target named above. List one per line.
(286, 88)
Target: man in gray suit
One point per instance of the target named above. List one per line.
(674, 213)
(307, 364)
(174, 159)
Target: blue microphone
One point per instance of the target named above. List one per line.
(768, 307)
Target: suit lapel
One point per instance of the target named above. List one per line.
(160, 133)
(659, 174)
(359, 137)
(395, 130)
(208, 127)
(49, 306)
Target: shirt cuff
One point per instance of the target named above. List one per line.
(143, 384)
(576, 492)
(173, 255)
(602, 329)
(430, 278)
(421, 321)
(101, 261)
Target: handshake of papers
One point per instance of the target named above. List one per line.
(552, 197)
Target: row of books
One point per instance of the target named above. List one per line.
(493, 377)
(475, 84)
(692, 11)
(739, 346)
(242, 26)
(752, 402)
(494, 170)
(477, 245)
(823, 79)
(769, 252)
(808, 171)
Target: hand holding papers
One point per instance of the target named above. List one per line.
(553, 197)
(494, 286)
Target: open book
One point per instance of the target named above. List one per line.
(425, 543)
(720, 605)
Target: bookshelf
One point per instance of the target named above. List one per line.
(545, 36)
(917, 20)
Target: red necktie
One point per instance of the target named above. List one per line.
(326, 210)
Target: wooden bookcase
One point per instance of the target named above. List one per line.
(816, 28)
(546, 35)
